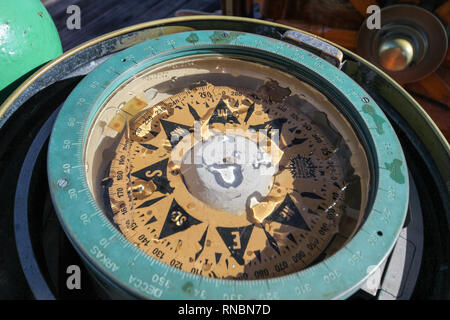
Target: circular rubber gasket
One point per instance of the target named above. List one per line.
(122, 265)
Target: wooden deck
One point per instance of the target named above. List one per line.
(102, 16)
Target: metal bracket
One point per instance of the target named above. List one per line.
(319, 47)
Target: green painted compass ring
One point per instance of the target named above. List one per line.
(124, 267)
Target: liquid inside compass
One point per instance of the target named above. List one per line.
(229, 181)
(219, 155)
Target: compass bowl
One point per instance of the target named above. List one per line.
(128, 270)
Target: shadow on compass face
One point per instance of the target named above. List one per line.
(231, 168)
(315, 204)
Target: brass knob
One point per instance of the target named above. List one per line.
(395, 54)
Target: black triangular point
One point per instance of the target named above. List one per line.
(157, 173)
(291, 237)
(258, 255)
(222, 114)
(151, 220)
(148, 173)
(287, 213)
(149, 146)
(236, 240)
(250, 111)
(202, 244)
(194, 113)
(177, 220)
(272, 242)
(175, 131)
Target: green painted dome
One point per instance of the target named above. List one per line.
(28, 38)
